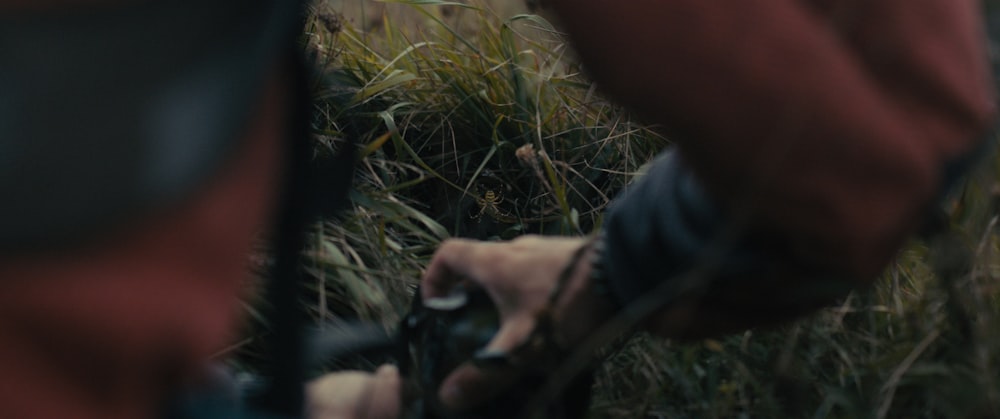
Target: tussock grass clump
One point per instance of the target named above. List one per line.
(499, 112)
(495, 133)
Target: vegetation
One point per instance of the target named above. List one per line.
(495, 133)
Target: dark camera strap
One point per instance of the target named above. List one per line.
(309, 191)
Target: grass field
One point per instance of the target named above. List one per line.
(452, 104)
(368, 15)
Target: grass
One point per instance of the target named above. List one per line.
(445, 116)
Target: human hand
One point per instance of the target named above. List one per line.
(355, 395)
(519, 277)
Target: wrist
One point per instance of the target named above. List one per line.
(586, 301)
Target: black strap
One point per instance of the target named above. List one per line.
(309, 191)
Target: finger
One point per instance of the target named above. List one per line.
(449, 266)
(513, 332)
(386, 398)
(471, 385)
(336, 395)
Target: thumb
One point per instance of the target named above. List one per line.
(474, 383)
(385, 401)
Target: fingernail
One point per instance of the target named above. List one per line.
(491, 358)
(387, 369)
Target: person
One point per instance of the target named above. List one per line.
(812, 138)
(143, 147)
(141, 151)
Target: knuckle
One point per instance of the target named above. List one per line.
(526, 241)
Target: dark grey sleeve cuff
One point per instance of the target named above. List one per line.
(655, 228)
(665, 225)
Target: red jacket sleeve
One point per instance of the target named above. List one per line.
(109, 329)
(827, 121)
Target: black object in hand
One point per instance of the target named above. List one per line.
(440, 334)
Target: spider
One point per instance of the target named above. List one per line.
(488, 204)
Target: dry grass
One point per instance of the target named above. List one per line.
(447, 113)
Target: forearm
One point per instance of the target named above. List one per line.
(788, 117)
(704, 265)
